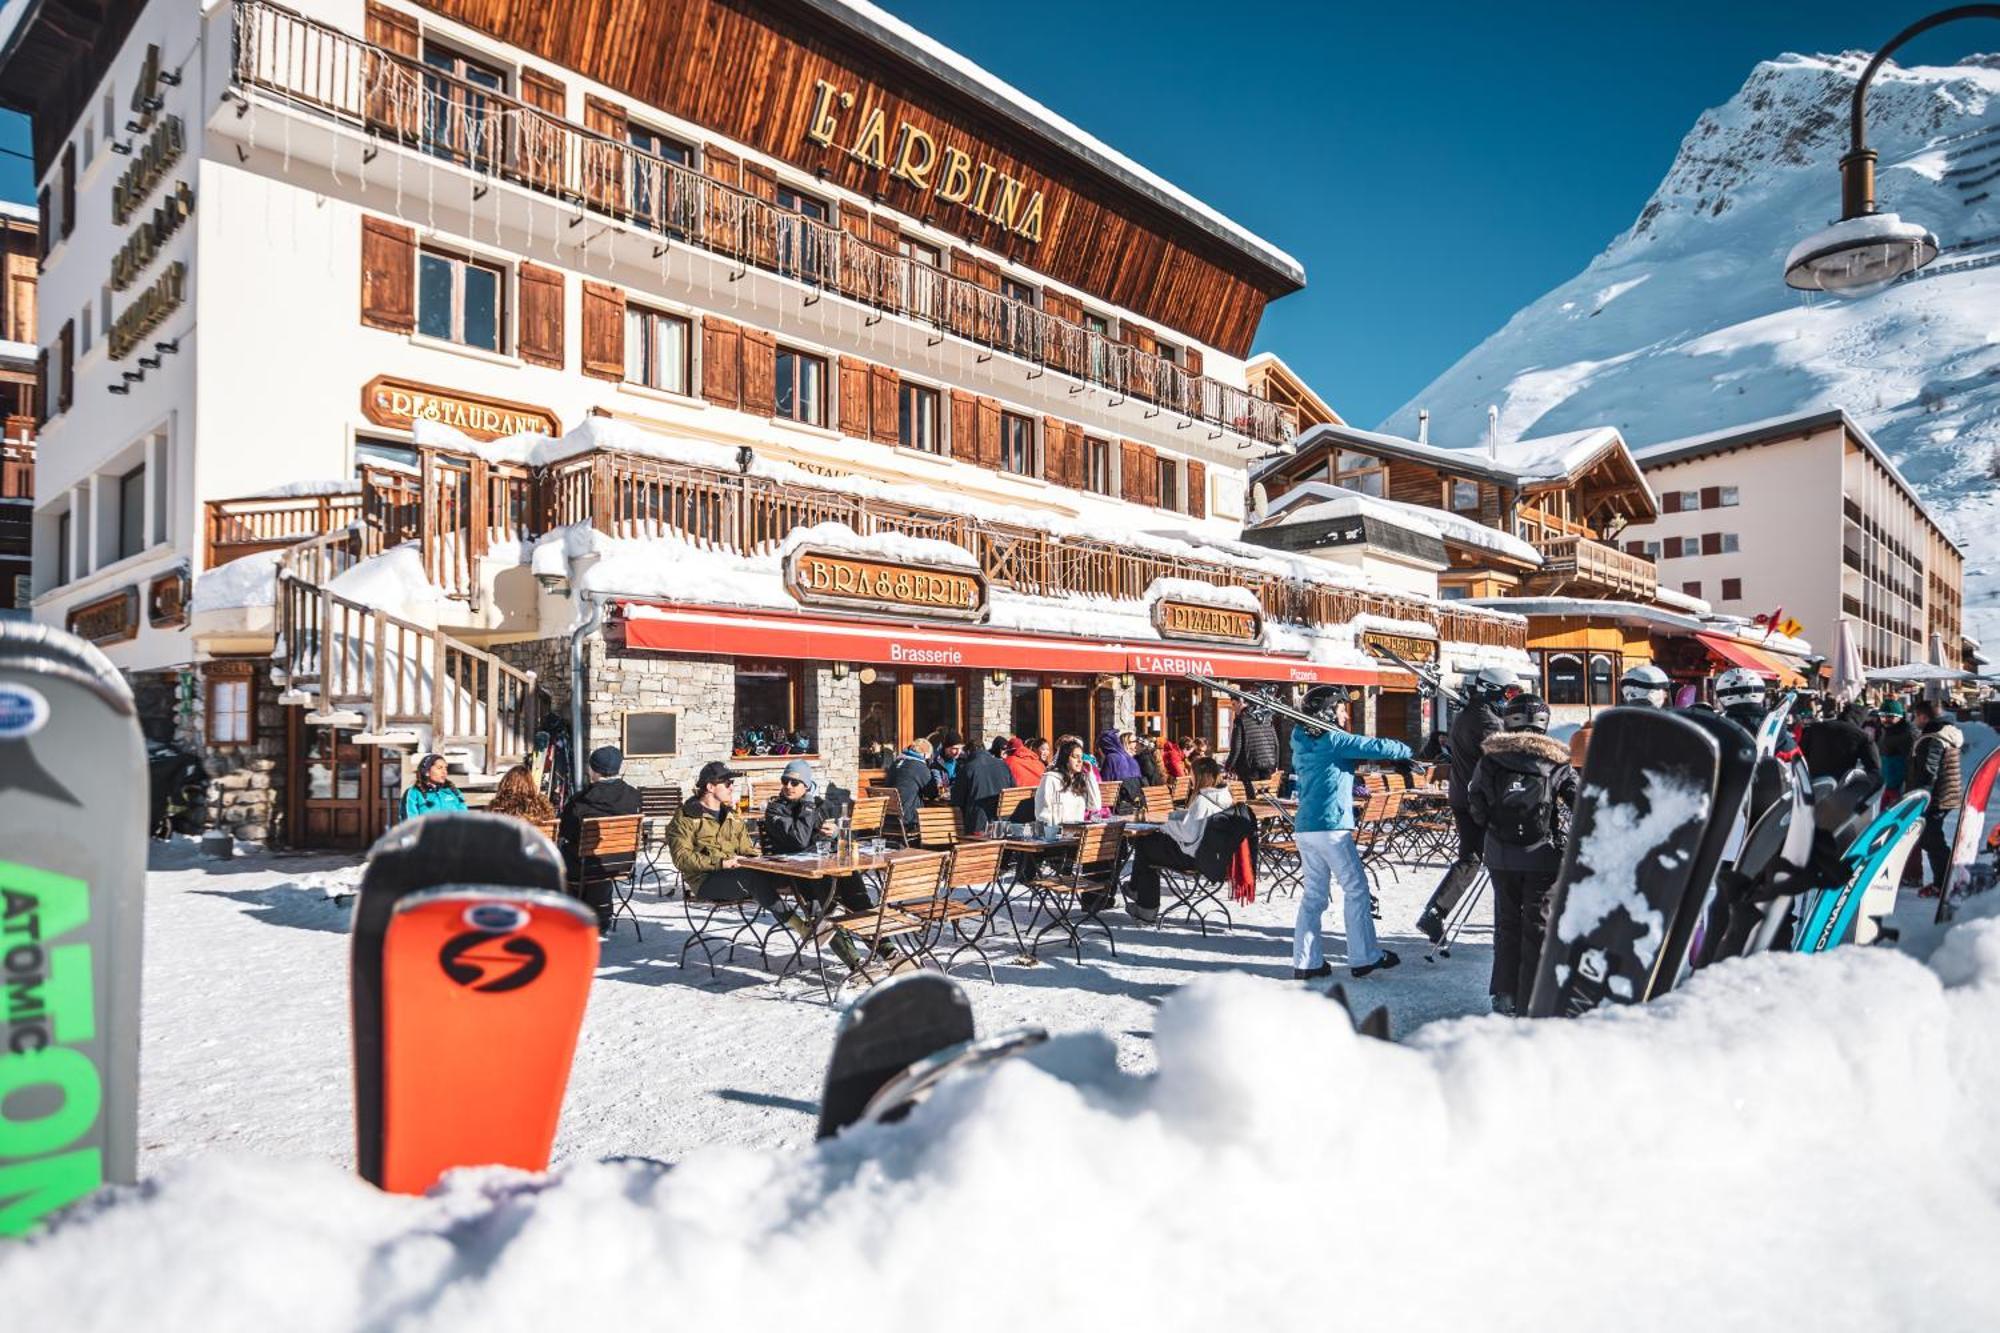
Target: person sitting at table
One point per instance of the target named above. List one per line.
(1147, 753)
(793, 821)
(915, 781)
(708, 841)
(1068, 792)
(1025, 762)
(607, 795)
(1175, 845)
(976, 789)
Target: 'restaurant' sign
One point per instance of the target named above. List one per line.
(949, 173)
(1208, 624)
(112, 619)
(830, 578)
(397, 404)
(1423, 652)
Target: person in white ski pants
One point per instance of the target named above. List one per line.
(1324, 760)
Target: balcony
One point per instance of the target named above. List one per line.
(17, 459)
(1579, 564)
(333, 74)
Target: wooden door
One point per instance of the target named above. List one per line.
(341, 793)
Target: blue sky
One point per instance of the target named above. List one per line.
(1435, 167)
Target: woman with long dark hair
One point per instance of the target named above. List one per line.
(1068, 793)
(432, 791)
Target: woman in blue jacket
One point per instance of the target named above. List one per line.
(1324, 760)
(432, 791)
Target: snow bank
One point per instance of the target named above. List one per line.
(250, 580)
(1791, 1142)
(879, 546)
(393, 580)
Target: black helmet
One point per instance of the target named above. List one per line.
(1526, 712)
(1490, 684)
(1323, 701)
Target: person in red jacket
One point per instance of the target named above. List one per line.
(1024, 761)
(1173, 758)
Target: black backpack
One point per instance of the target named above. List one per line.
(1523, 810)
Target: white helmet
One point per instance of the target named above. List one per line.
(1738, 687)
(1644, 684)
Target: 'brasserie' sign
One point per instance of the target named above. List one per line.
(397, 404)
(834, 579)
(1208, 624)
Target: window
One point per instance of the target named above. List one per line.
(1565, 678)
(921, 251)
(656, 349)
(368, 450)
(1462, 497)
(1688, 499)
(460, 121)
(1358, 472)
(801, 387)
(1099, 327)
(459, 300)
(1017, 443)
(1170, 483)
(132, 512)
(1020, 325)
(23, 591)
(1731, 543)
(1167, 353)
(89, 144)
(650, 193)
(767, 709)
(1732, 590)
(803, 204)
(232, 714)
(83, 343)
(62, 549)
(1600, 680)
(1097, 465)
(917, 419)
(659, 145)
(110, 113)
(1692, 588)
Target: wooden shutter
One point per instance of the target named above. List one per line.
(392, 29)
(602, 117)
(69, 189)
(1056, 444)
(1670, 502)
(1711, 497)
(45, 230)
(1197, 489)
(603, 331)
(602, 164)
(885, 393)
(384, 77)
(543, 93)
(884, 234)
(1194, 361)
(721, 362)
(388, 275)
(1141, 480)
(761, 182)
(66, 350)
(989, 433)
(1139, 337)
(964, 427)
(1711, 543)
(760, 372)
(539, 141)
(41, 404)
(855, 417)
(720, 164)
(540, 336)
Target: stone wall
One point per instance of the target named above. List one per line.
(246, 783)
(833, 719)
(989, 708)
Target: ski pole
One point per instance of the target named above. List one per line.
(1459, 917)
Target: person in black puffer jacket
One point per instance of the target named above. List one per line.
(1486, 691)
(1935, 767)
(1253, 744)
(1835, 745)
(915, 782)
(1520, 791)
(792, 823)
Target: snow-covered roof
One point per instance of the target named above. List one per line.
(1632, 613)
(24, 353)
(997, 95)
(1666, 596)
(1512, 463)
(1666, 453)
(19, 212)
(1318, 500)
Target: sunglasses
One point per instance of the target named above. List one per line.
(792, 782)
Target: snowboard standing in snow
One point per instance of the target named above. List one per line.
(1736, 765)
(1971, 830)
(72, 888)
(1647, 793)
(511, 976)
(1826, 916)
(895, 1024)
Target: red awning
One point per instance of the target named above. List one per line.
(1731, 653)
(734, 634)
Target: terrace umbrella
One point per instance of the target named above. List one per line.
(1849, 675)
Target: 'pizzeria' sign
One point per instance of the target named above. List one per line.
(1209, 624)
(829, 578)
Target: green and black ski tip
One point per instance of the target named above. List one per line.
(1375, 1023)
(894, 1025)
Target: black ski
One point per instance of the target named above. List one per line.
(1736, 766)
(461, 848)
(1647, 793)
(893, 1026)
(1374, 1023)
(1743, 889)
(1427, 675)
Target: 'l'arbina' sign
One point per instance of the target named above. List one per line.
(951, 174)
(832, 579)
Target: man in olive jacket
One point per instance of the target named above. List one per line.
(706, 840)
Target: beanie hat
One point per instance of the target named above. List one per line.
(606, 760)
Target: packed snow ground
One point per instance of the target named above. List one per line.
(1789, 1142)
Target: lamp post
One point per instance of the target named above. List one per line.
(1866, 251)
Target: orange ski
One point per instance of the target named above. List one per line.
(483, 990)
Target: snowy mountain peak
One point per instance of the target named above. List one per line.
(1684, 325)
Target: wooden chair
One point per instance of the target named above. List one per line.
(607, 850)
(657, 806)
(1238, 793)
(1159, 804)
(892, 814)
(939, 826)
(866, 817)
(1179, 788)
(1092, 872)
(903, 915)
(975, 870)
(1011, 801)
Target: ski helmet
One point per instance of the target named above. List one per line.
(1526, 712)
(1323, 701)
(1644, 684)
(1489, 683)
(1739, 687)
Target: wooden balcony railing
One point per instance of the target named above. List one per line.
(17, 459)
(332, 73)
(1572, 560)
(246, 526)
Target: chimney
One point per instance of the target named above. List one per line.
(1492, 431)
(1423, 425)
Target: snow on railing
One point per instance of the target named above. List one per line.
(312, 65)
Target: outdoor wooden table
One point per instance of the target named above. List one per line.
(800, 871)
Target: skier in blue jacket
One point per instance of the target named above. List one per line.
(432, 791)
(1324, 758)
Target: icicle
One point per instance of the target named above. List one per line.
(288, 145)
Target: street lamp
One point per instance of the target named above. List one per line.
(1866, 251)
